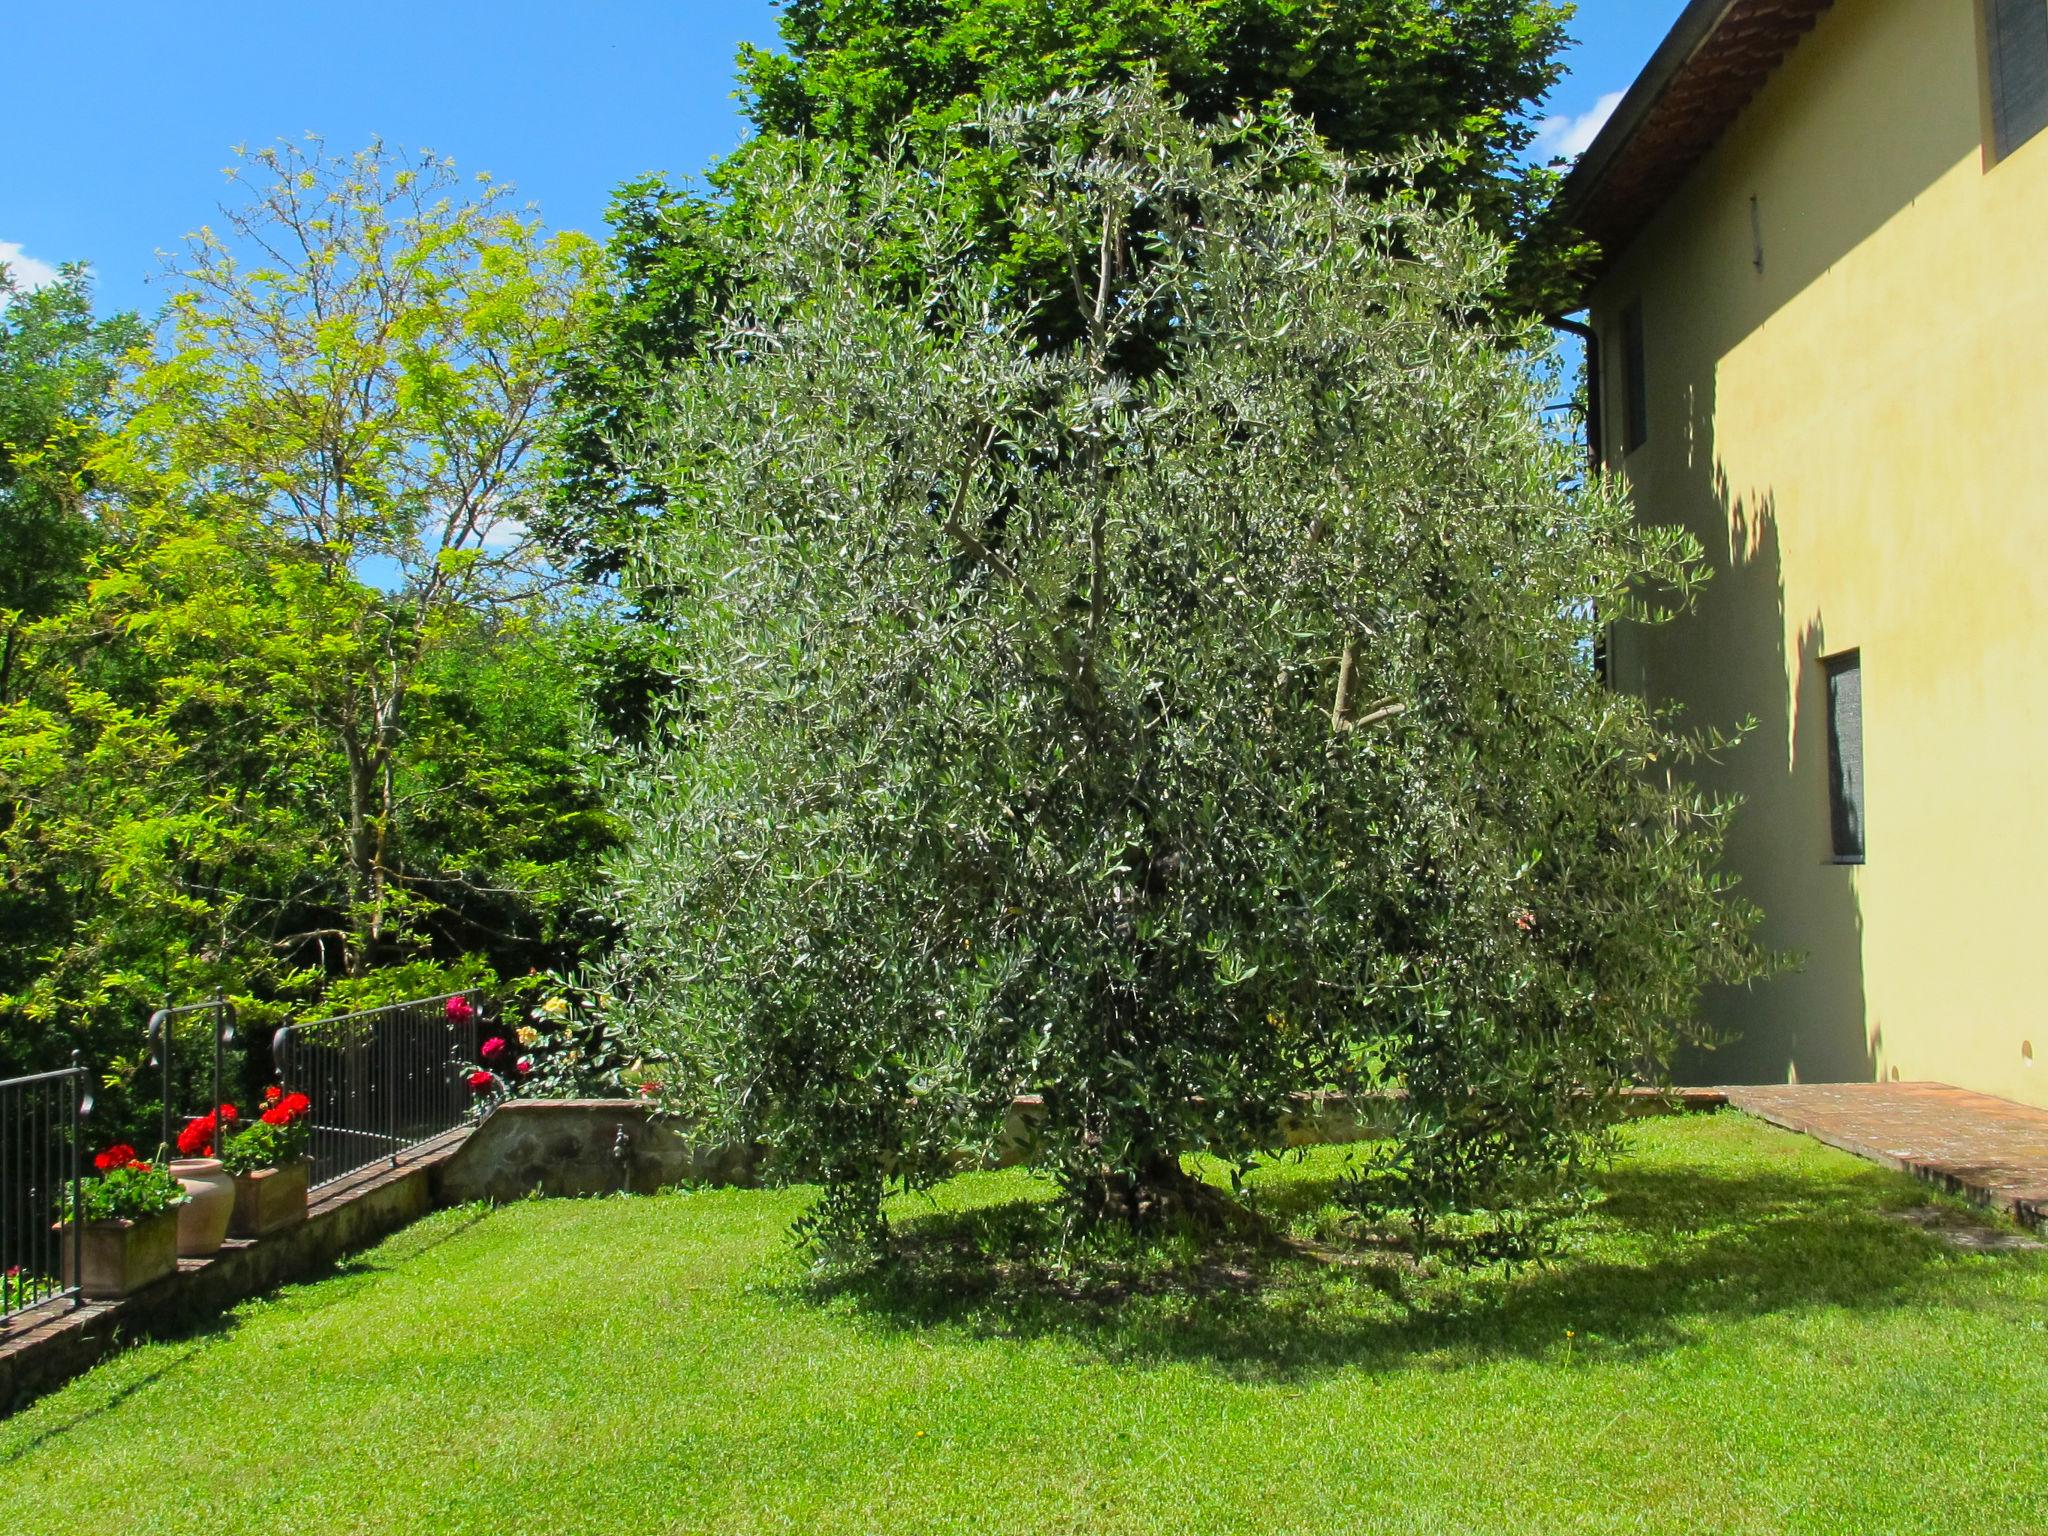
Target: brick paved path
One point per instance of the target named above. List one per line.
(1992, 1150)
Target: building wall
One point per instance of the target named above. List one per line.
(1857, 432)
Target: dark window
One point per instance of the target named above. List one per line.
(1636, 389)
(2016, 32)
(1845, 753)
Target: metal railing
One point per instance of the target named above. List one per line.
(41, 1166)
(381, 1081)
(185, 1071)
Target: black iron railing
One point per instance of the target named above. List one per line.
(382, 1081)
(41, 1158)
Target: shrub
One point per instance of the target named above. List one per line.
(567, 1045)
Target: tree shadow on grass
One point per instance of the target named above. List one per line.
(1668, 1254)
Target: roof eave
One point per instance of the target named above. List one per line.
(1695, 24)
(1717, 56)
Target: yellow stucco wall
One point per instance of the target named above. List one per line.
(1858, 434)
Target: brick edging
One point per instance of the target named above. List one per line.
(1964, 1182)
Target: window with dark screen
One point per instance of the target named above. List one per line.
(1845, 754)
(2016, 40)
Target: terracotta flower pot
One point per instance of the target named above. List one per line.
(122, 1256)
(209, 1202)
(270, 1199)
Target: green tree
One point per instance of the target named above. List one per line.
(855, 76)
(310, 716)
(1162, 742)
(58, 364)
(1371, 76)
(359, 377)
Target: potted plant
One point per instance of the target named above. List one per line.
(210, 1192)
(270, 1162)
(130, 1235)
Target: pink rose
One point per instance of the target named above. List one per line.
(494, 1048)
(459, 1011)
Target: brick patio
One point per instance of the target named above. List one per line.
(1990, 1150)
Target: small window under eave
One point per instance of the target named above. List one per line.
(1844, 675)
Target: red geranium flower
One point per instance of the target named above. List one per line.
(287, 1108)
(480, 1080)
(196, 1140)
(120, 1155)
(272, 1094)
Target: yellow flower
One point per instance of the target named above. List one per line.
(527, 1034)
(555, 1007)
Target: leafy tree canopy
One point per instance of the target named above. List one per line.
(58, 365)
(57, 368)
(1372, 76)
(1162, 741)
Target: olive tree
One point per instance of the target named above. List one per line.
(1164, 722)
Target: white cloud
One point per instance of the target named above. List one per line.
(502, 533)
(1569, 136)
(25, 270)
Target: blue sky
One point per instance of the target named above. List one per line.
(118, 116)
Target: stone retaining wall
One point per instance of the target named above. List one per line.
(604, 1146)
(571, 1147)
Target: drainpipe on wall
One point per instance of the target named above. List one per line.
(1592, 343)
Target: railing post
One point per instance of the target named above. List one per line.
(380, 1041)
(223, 1037)
(81, 1110)
(160, 1042)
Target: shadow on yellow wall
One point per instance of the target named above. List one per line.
(1741, 656)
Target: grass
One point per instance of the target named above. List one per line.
(1739, 1339)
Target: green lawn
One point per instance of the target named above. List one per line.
(1739, 1340)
